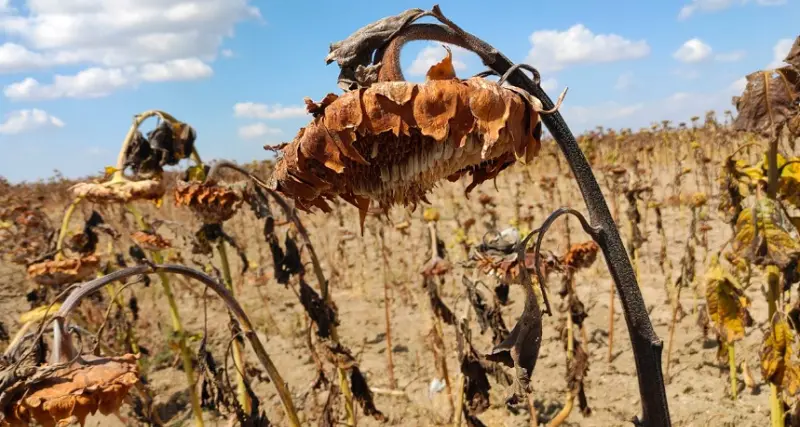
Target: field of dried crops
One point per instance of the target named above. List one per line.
(212, 296)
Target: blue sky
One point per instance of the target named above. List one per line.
(74, 72)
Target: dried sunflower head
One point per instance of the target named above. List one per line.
(71, 394)
(212, 203)
(393, 141)
(581, 255)
(61, 272)
(121, 192)
(151, 241)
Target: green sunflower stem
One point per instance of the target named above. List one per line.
(732, 366)
(177, 327)
(238, 359)
(62, 233)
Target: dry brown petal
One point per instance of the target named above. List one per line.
(122, 192)
(75, 392)
(150, 241)
(212, 203)
(72, 270)
(394, 141)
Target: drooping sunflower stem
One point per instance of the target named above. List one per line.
(74, 298)
(137, 121)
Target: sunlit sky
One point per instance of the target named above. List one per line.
(74, 72)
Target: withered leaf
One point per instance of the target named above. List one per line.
(777, 364)
(320, 312)
(726, 303)
(769, 100)
(441, 309)
(763, 235)
(363, 394)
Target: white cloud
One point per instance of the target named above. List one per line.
(255, 110)
(553, 50)
(549, 84)
(719, 5)
(694, 50)
(779, 52)
(432, 55)
(98, 82)
(677, 107)
(734, 56)
(624, 81)
(257, 130)
(227, 53)
(28, 120)
(117, 33)
(738, 86)
(178, 69)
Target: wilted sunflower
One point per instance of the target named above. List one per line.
(71, 394)
(212, 203)
(393, 141)
(120, 192)
(60, 272)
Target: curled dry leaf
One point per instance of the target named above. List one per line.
(394, 141)
(212, 203)
(726, 303)
(150, 241)
(777, 364)
(763, 236)
(60, 272)
(70, 394)
(120, 192)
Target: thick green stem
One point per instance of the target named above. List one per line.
(732, 366)
(177, 326)
(62, 233)
(773, 279)
(238, 359)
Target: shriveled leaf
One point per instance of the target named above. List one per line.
(777, 364)
(763, 235)
(726, 303)
(769, 100)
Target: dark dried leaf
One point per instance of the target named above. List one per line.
(363, 394)
(322, 314)
(439, 307)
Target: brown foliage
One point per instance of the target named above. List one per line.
(72, 393)
(770, 99)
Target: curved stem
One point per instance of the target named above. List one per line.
(74, 298)
(646, 345)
